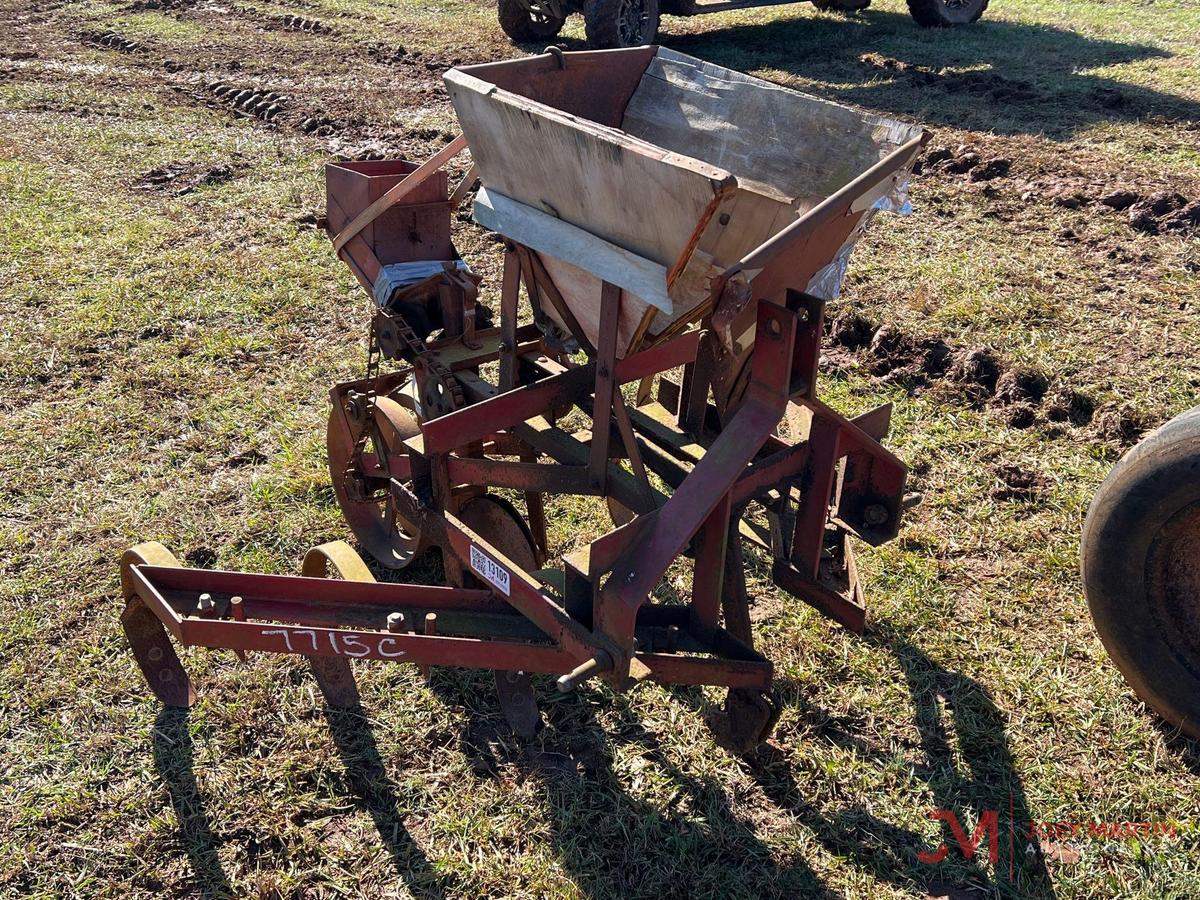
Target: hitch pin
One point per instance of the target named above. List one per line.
(601, 662)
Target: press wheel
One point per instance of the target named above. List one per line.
(372, 514)
(333, 673)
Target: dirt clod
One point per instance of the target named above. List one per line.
(1069, 199)
(851, 331)
(936, 356)
(201, 557)
(892, 350)
(1164, 211)
(1022, 415)
(1016, 483)
(1067, 405)
(990, 169)
(961, 164)
(1122, 425)
(1120, 199)
(976, 366)
(1021, 385)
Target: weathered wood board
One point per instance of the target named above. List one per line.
(707, 165)
(642, 198)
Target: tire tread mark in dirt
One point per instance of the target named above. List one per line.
(250, 101)
(300, 23)
(111, 40)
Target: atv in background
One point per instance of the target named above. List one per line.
(629, 23)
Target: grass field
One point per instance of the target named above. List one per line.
(170, 323)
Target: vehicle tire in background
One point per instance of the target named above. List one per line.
(1141, 569)
(841, 5)
(620, 23)
(521, 23)
(681, 7)
(946, 13)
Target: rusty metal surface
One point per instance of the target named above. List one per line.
(333, 673)
(144, 628)
(414, 452)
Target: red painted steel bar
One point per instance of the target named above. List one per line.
(542, 478)
(520, 590)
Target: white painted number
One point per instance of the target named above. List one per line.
(343, 643)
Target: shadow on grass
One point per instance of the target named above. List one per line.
(615, 845)
(951, 711)
(375, 793)
(173, 754)
(1184, 747)
(1007, 77)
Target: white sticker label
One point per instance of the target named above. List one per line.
(491, 570)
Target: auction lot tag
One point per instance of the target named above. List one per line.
(489, 569)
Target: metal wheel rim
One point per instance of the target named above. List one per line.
(374, 522)
(541, 17)
(632, 22)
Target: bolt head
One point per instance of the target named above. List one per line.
(774, 328)
(876, 514)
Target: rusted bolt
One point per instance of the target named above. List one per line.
(876, 514)
(155, 654)
(672, 641)
(774, 328)
(205, 604)
(802, 315)
(723, 218)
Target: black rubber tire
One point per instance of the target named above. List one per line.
(946, 13)
(681, 7)
(520, 24)
(602, 21)
(1140, 558)
(841, 5)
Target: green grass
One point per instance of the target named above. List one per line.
(164, 364)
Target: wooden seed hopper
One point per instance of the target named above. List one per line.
(683, 225)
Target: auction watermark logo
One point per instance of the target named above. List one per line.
(985, 838)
